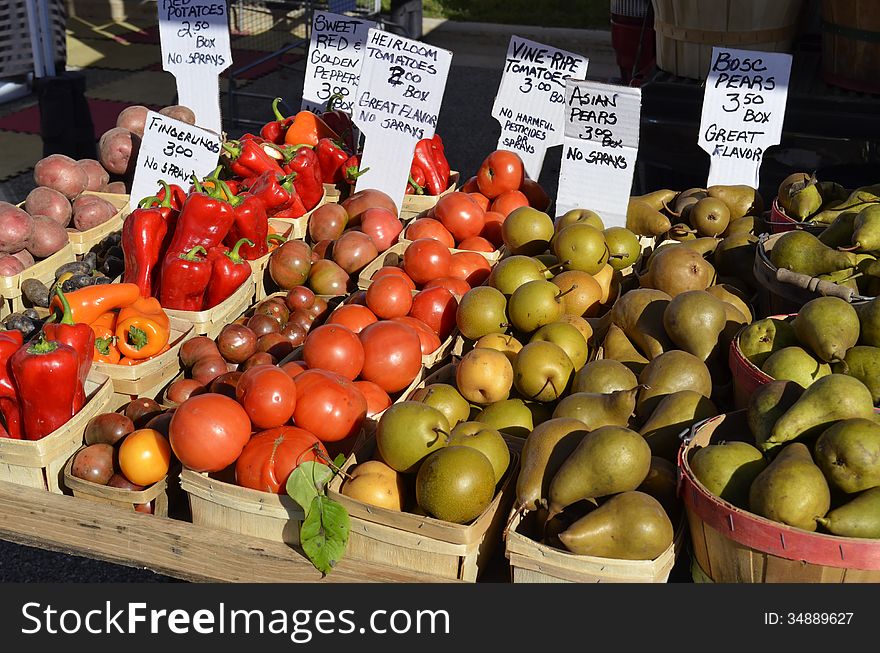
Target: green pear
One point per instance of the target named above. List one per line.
(549, 265)
(597, 410)
(455, 484)
(624, 248)
(828, 326)
(657, 199)
(581, 247)
(732, 296)
(527, 231)
(735, 257)
(673, 371)
(827, 400)
(760, 339)
(510, 416)
(533, 305)
(795, 364)
(767, 404)
(727, 470)
(609, 460)
(617, 347)
(581, 292)
(740, 199)
(866, 229)
(639, 313)
(645, 220)
(858, 518)
(510, 273)
(748, 224)
(662, 484)
(791, 489)
(446, 399)
(693, 320)
(545, 449)
(603, 376)
(676, 269)
(542, 371)
(490, 443)
(408, 432)
(801, 251)
(481, 311)
(505, 343)
(579, 215)
(568, 338)
(675, 413)
(629, 526)
(869, 323)
(848, 453)
(839, 233)
(863, 363)
(709, 216)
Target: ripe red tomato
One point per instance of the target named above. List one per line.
(334, 348)
(492, 228)
(377, 399)
(429, 228)
(436, 307)
(382, 226)
(538, 198)
(480, 199)
(208, 432)
(471, 186)
(352, 316)
(390, 270)
(335, 408)
(501, 171)
(508, 201)
(389, 297)
(428, 340)
(477, 244)
(293, 368)
(270, 456)
(470, 266)
(458, 287)
(392, 355)
(426, 259)
(267, 394)
(460, 214)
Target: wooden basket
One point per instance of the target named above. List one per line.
(332, 194)
(116, 496)
(147, 379)
(39, 463)
(211, 321)
(425, 544)
(217, 504)
(83, 241)
(533, 562)
(850, 45)
(393, 256)
(732, 545)
(687, 30)
(413, 206)
(10, 287)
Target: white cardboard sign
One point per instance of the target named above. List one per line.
(743, 111)
(336, 51)
(173, 151)
(530, 100)
(195, 49)
(397, 104)
(600, 149)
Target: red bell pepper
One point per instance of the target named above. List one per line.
(46, 375)
(77, 335)
(275, 131)
(340, 122)
(10, 342)
(423, 156)
(293, 209)
(185, 280)
(175, 194)
(272, 190)
(250, 225)
(351, 170)
(144, 233)
(228, 271)
(308, 182)
(331, 158)
(251, 137)
(248, 159)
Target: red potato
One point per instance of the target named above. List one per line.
(90, 211)
(10, 266)
(61, 173)
(117, 150)
(47, 237)
(116, 187)
(16, 227)
(179, 112)
(25, 257)
(133, 118)
(49, 202)
(97, 176)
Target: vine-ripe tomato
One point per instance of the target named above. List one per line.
(477, 244)
(389, 297)
(333, 408)
(392, 355)
(460, 214)
(267, 394)
(334, 348)
(352, 316)
(144, 456)
(428, 340)
(393, 271)
(537, 196)
(492, 228)
(470, 266)
(508, 201)
(270, 456)
(429, 228)
(436, 307)
(377, 399)
(458, 287)
(382, 226)
(500, 171)
(426, 259)
(208, 432)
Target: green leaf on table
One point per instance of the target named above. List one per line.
(339, 461)
(324, 534)
(306, 482)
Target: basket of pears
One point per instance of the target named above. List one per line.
(788, 489)
(804, 202)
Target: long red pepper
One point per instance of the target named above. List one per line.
(275, 131)
(439, 151)
(272, 190)
(248, 159)
(46, 375)
(10, 342)
(175, 195)
(308, 183)
(228, 271)
(79, 336)
(185, 280)
(424, 157)
(351, 169)
(250, 224)
(331, 158)
(144, 233)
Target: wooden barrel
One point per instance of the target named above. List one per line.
(688, 29)
(851, 44)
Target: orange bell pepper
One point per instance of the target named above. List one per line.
(307, 129)
(105, 320)
(142, 329)
(106, 350)
(89, 303)
(125, 360)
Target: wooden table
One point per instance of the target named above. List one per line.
(167, 546)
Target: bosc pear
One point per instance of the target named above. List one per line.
(828, 326)
(727, 470)
(694, 320)
(597, 410)
(857, 518)
(639, 313)
(848, 453)
(617, 347)
(546, 448)
(603, 375)
(675, 413)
